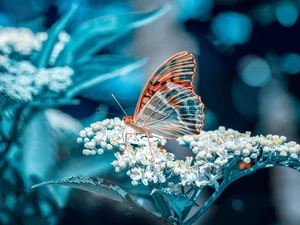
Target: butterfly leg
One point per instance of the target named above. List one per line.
(149, 143)
(150, 146)
(160, 143)
(126, 140)
(159, 140)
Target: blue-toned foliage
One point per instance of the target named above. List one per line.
(40, 72)
(245, 52)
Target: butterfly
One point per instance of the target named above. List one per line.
(168, 106)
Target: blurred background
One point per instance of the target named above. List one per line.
(248, 67)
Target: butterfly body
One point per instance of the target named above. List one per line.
(168, 106)
(129, 121)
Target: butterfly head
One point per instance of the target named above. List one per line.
(128, 120)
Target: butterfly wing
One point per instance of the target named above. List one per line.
(178, 69)
(173, 111)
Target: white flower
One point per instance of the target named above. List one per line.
(20, 40)
(16, 88)
(23, 82)
(140, 174)
(56, 79)
(214, 151)
(63, 38)
(110, 134)
(171, 188)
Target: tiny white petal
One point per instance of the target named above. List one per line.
(86, 151)
(291, 144)
(294, 156)
(253, 156)
(237, 152)
(283, 153)
(93, 152)
(275, 137)
(195, 150)
(193, 143)
(221, 128)
(100, 151)
(269, 136)
(246, 160)
(245, 152)
(82, 134)
(134, 182)
(90, 145)
(103, 144)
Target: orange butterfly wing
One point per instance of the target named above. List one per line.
(179, 69)
(172, 112)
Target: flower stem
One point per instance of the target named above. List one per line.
(221, 188)
(207, 204)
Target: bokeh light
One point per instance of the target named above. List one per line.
(264, 13)
(290, 63)
(194, 9)
(238, 205)
(232, 28)
(287, 13)
(254, 71)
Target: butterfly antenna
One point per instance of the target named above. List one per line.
(119, 104)
(99, 111)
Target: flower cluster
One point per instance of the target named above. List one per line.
(144, 163)
(20, 80)
(220, 145)
(109, 134)
(63, 38)
(20, 43)
(56, 79)
(214, 150)
(100, 136)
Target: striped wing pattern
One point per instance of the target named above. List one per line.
(178, 69)
(172, 111)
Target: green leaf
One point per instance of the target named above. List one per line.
(39, 150)
(161, 205)
(106, 29)
(96, 185)
(94, 45)
(47, 134)
(106, 63)
(101, 68)
(178, 202)
(43, 58)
